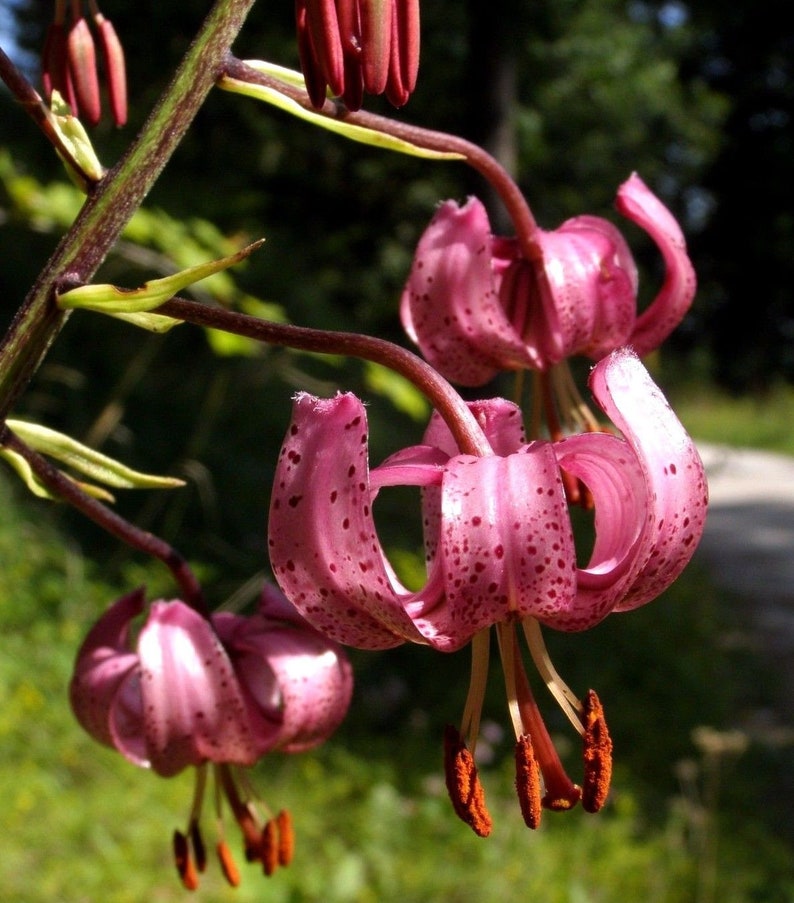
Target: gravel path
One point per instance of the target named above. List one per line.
(748, 546)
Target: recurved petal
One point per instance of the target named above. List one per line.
(323, 544)
(506, 546)
(316, 683)
(675, 480)
(193, 706)
(587, 297)
(610, 470)
(103, 663)
(502, 423)
(450, 306)
(637, 202)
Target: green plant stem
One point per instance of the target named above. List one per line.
(115, 199)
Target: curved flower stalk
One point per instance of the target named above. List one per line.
(476, 305)
(500, 551)
(353, 47)
(189, 692)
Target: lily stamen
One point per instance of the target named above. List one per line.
(228, 866)
(528, 781)
(286, 837)
(184, 862)
(463, 783)
(597, 755)
(268, 849)
(567, 700)
(561, 793)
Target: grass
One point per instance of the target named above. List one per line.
(764, 420)
(372, 819)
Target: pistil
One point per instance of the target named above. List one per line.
(560, 792)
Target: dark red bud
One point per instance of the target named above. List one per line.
(82, 66)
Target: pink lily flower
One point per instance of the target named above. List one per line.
(353, 47)
(475, 305)
(192, 691)
(500, 548)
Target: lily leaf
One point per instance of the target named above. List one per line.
(110, 299)
(292, 79)
(24, 471)
(86, 460)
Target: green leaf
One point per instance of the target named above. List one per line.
(34, 484)
(110, 299)
(403, 394)
(85, 460)
(358, 133)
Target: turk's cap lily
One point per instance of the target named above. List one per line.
(190, 690)
(353, 47)
(475, 305)
(498, 534)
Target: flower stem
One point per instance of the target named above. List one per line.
(113, 523)
(115, 199)
(475, 156)
(456, 414)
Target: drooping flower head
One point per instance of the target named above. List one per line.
(353, 47)
(191, 691)
(500, 552)
(476, 305)
(69, 62)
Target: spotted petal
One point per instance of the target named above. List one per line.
(298, 679)
(649, 490)
(324, 547)
(506, 545)
(662, 316)
(672, 469)
(450, 306)
(104, 663)
(194, 709)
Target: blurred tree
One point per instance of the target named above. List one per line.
(746, 314)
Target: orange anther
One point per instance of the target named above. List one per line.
(286, 837)
(184, 864)
(528, 781)
(228, 865)
(597, 754)
(269, 847)
(463, 784)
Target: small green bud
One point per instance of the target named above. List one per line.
(131, 304)
(83, 166)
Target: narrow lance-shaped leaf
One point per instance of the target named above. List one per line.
(284, 102)
(110, 299)
(87, 460)
(34, 484)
